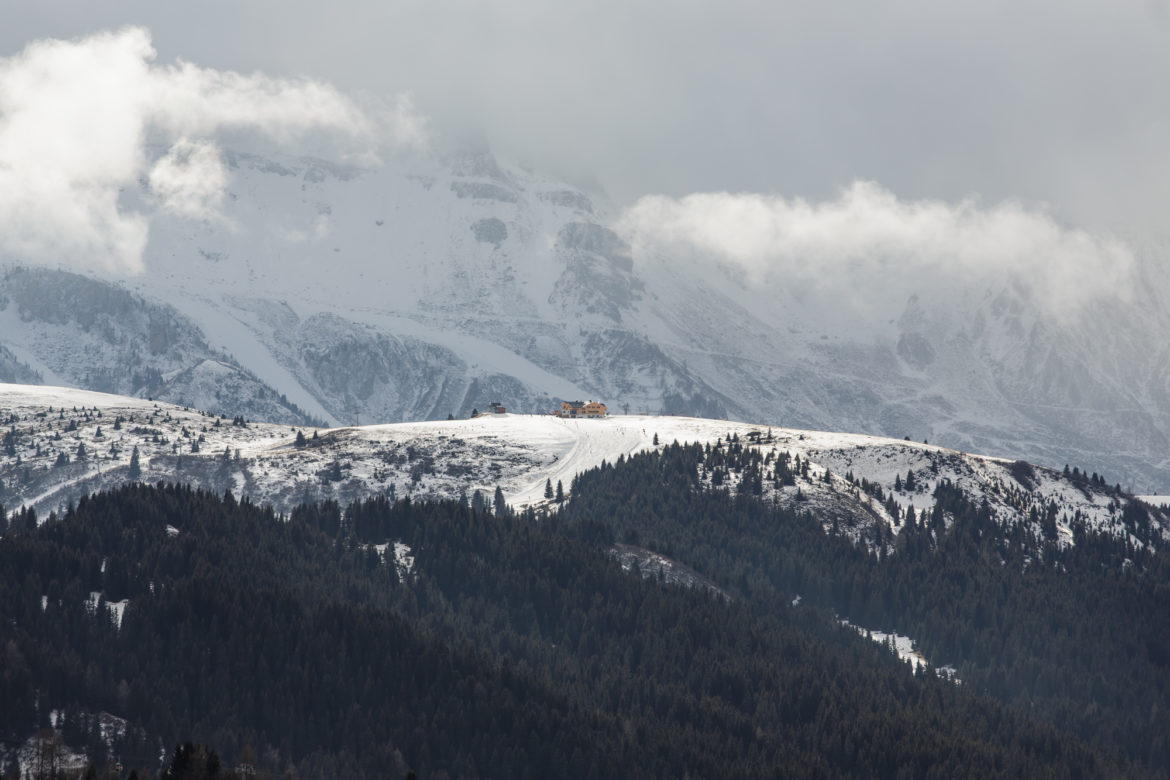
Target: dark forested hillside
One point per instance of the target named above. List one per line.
(513, 645)
(1078, 635)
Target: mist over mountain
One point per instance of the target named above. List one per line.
(432, 283)
(284, 249)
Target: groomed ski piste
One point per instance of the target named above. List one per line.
(44, 430)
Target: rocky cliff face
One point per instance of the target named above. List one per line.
(12, 369)
(92, 334)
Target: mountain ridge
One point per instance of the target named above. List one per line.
(435, 284)
(62, 444)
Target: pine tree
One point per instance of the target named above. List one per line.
(135, 472)
(560, 492)
(548, 489)
(193, 761)
(498, 503)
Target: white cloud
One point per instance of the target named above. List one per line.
(190, 179)
(75, 118)
(867, 249)
(402, 120)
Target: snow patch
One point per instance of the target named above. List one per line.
(652, 565)
(901, 646)
(403, 560)
(117, 609)
(114, 609)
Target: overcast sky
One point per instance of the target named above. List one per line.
(1057, 102)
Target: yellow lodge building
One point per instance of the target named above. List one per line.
(577, 409)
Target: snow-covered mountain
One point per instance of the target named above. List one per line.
(60, 444)
(432, 285)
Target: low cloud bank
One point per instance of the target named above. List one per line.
(76, 118)
(867, 249)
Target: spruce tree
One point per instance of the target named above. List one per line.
(135, 472)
